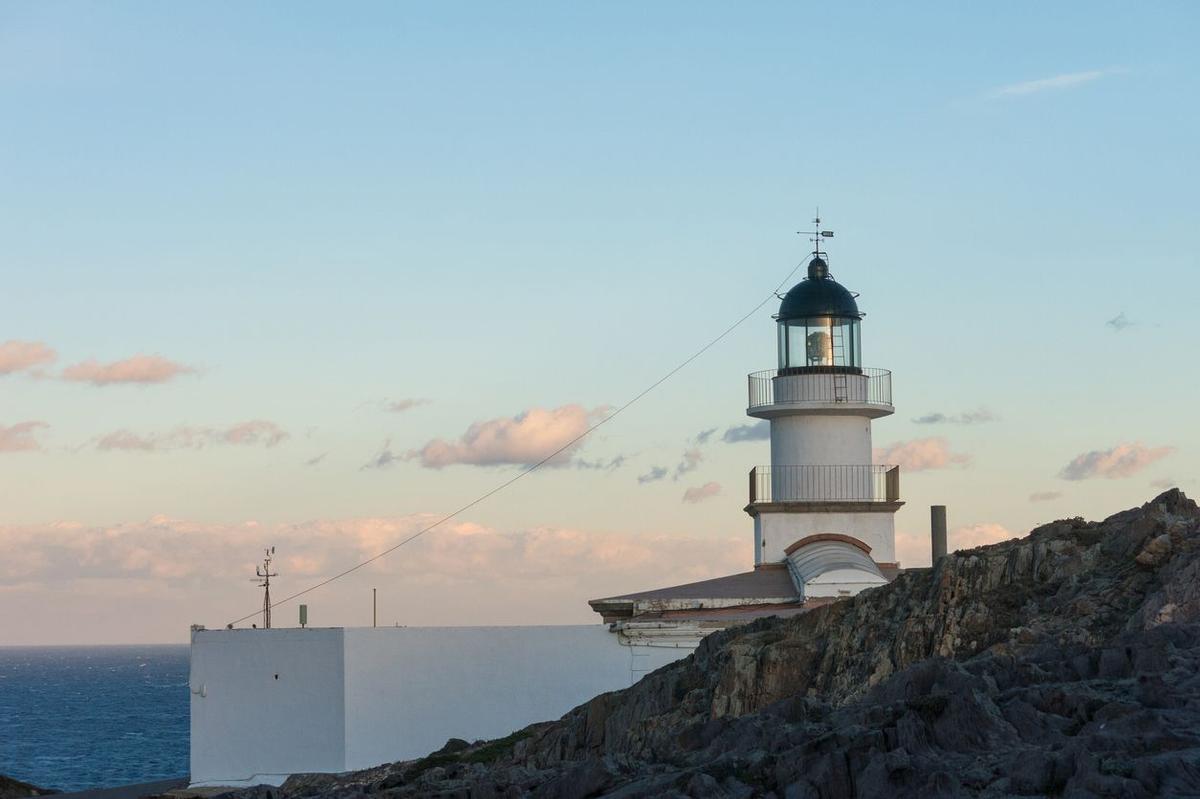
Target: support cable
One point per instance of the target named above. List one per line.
(533, 467)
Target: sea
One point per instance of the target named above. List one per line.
(73, 718)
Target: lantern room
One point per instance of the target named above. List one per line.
(819, 326)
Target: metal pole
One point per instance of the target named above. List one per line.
(937, 530)
(374, 608)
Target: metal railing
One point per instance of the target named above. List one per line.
(871, 387)
(825, 484)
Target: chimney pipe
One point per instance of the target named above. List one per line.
(937, 530)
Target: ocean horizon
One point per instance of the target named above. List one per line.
(79, 717)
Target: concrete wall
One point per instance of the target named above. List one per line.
(266, 703)
(775, 532)
(354, 698)
(410, 689)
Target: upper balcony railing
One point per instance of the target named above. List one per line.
(825, 484)
(863, 386)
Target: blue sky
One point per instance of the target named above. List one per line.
(315, 210)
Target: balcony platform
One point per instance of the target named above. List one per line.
(836, 506)
(858, 392)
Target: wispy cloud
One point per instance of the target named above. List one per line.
(689, 463)
(1123, 460)
(655, 474)
(21, 437)
(384, 458)
(1120, 322)
(700, 493)
(704, 435)
(1044, 496)
(22, 356)
(980, 416)
(1067, 80)
(920, 454)
(520, 440)
(1164, 483)
(256, 432)
(755, 431)
(609, 465)
(142, 369)
(316, 459)
(402, 405)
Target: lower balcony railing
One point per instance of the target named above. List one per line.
(825, 484)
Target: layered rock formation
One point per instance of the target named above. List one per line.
(1066, 663)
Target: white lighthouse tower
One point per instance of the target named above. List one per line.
(822, 506)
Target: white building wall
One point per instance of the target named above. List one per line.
(410, 689)
(355, 698)
(777, 531)
(820, 440)
(265, 704)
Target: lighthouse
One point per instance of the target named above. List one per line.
(823, 510)
(822, 506)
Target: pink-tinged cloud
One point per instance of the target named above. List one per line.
(920, 454)
(1123, 460)
(21, 356)
(21, 437)
(256, 432)
(916, 549)
(135, 582)
(520, 440)
(700, 493)
(142, 369)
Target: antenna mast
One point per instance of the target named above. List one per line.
(265, 574)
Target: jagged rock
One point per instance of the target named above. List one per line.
(15, 789)
(1065, 663)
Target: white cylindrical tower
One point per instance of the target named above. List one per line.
(820, 402)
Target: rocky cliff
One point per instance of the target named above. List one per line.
(1065, 663)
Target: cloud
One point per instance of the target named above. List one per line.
(21, 356)
(1068, 80)
(316, 459)
(1120, 322)
(921, 454)
(1123, 460)
(609, 465)
(977, 535)
(755, 431)
(141, 578)
(21, 437)
(1044, 496)
(142, 369)
(700, 493)
(690, 462)
(704, 435)
(980, 416)
(915, 549)
(384, 458)
(402, 405)
(520, 440)
(655, 474)
(256, 432)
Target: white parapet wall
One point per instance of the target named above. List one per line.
(269, 703)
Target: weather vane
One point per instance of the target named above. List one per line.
(817, 234)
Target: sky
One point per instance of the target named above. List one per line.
(313, 275)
